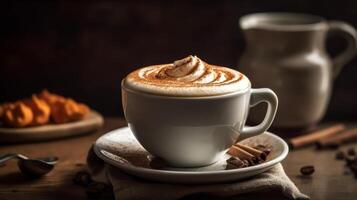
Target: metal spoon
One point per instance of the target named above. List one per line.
(31, 167)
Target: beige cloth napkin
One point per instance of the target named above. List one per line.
(126, 187)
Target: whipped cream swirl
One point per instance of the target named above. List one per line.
(187, 77)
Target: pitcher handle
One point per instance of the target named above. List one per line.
(258, 96)
(349, 33)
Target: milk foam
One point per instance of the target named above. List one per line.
(187, 77)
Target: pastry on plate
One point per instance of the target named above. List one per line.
(16, 114)
(40, 109)
(64, 109)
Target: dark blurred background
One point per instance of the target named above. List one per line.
(84, 49)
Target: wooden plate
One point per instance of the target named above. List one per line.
(91, 122)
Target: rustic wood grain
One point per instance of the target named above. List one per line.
(328, 182)
(58, 184)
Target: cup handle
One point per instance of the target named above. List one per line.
(258, 96)
(350, 35)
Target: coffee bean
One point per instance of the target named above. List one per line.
(246, 163)
(267, 151)
(340, 155)
(351, 151)
(353, 168)
(350, 159)
(260, 160)
(238, 163)
(353, 164)
(307, 170)
(82, 178)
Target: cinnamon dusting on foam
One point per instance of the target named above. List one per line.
(187, 77)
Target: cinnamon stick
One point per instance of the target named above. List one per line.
(313, 137)
(242, 154)
(343, 137)
(257, 153)
(263, 148)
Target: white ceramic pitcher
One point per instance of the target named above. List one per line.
(286, 52)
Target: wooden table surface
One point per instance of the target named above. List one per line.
(328, 182)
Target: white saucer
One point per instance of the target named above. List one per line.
(120, 149)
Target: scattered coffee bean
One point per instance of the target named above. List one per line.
(93, 189)
(82, 178)
(351, 151)
(267, 151)
(260, 160)
(246, 163)
(340, 155)
(307, 170)
(255, 161)
(354, 168)
(349, 160)
(236, 162)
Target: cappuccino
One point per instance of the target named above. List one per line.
(187, 77)
(179, 112)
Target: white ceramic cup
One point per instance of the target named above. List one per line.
(194, 131)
